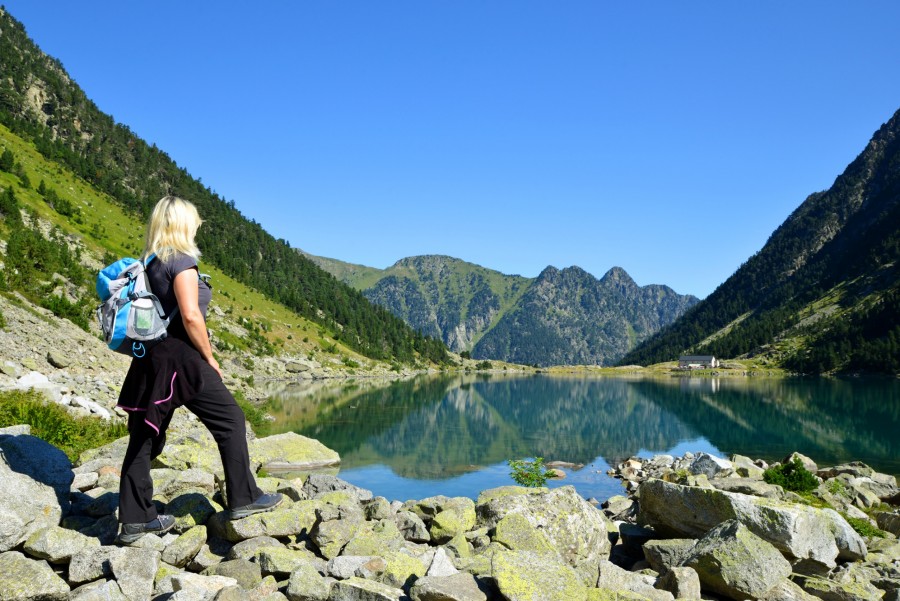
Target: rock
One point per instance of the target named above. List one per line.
(36, 479)
(248, 549)
(180, 552)
(92, 563)
(441, 565)
(577, 530)
(618, 507)
(709, 465)
(746, 467)
(317, 485)
(529, 576)
(201, 587)
(808, 463)
(102, 590)
(787, 591)
(456, 517)
(25, 579)
(57, 545)
(377, 509)
(734, 562)
(824, 588)
(280, 562)
(748, 486)
(306, 584)
(345, 566)
(58, 359)
(411, 527)
(190, 510)
(135, 571)
(295, 519)
(683, 583)
(358, 589)
(800, 531)
(295, 367)
(246, 573)
(401, 568)
(291, 451)
(374, 538)
(204, 558)
(515, 532)
(614, 578)
(84, 481)
(665, 554)
(15, 430)
(889, 521)
(457, 587)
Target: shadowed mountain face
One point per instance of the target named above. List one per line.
(823, 294)
(561, 317)
(439, 427)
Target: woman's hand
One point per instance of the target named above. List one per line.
(215, 365)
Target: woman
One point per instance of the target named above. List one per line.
(180, 370)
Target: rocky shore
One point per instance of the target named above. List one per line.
(694, 527)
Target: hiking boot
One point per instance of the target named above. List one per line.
(159, 525)
(266, 502)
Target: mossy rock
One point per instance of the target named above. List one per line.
(454, 520)
(516, 533)
(529, 576)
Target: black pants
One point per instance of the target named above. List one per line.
(221, 415)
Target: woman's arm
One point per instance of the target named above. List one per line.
(187, 293)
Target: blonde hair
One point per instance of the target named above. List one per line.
(172, 227)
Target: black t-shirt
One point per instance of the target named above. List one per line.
(161, 275)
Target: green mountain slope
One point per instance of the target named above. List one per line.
(823, 294)
(569, 317)
(559, 318)
(40, 103)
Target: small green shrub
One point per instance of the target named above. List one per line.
(792, 476)
(837, 488)
(484, 365)
(73, 435)
(529, 473)
(864, 527)
(254, 415)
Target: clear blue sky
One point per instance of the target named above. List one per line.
(669, 138)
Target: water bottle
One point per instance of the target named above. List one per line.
(144, 312)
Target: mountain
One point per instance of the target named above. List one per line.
(823, 294)
(562, 317)
(41, 104)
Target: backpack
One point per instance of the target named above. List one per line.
(131, 316)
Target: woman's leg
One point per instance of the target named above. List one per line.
(217, 409)
(136, 486)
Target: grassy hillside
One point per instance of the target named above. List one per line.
(102, 230)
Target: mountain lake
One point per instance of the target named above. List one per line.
(453, 435)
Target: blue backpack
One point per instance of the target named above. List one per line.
(131, 316)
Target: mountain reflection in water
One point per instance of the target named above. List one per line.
(453, 435)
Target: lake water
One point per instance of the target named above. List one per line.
(453, 435)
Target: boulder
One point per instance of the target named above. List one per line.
(195, 586)
(529, 576)
(683, 583)
(57, 545)
(576, 529)
(807, 463)
(183, 549)
(458, 587)
(612, 577)
(748, 486)
(306, 584)
(709, 465)
(191, 509)
(441, 564)
(374, 538)
(247, 574)
(800, 531)
(359, 589)
(92, 563)
(665, 554)
(281, 562)
(24, 579)
(455, 517)
(135, 571)
(787, 590)
(889, 521)
(824, 588)
(295, 519)
(345, 566)
(250, 548)
(291, 451)
(401, 568)
(411, 527)
(101, 590)
(36, 480)
(318, 485)
(58, 359)
(734, 562)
